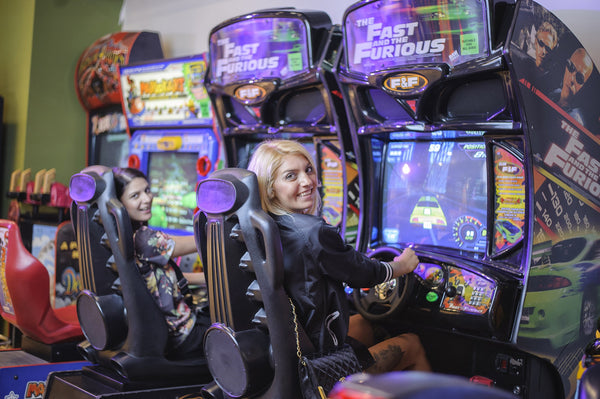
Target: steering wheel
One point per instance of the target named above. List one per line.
(385, 299)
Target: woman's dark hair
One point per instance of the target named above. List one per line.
(124, 176)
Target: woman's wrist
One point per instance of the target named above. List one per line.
(389, 271)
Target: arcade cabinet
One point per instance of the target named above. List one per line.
(173, 141)
(271, 77)
(41, 206)
(47, 336)
(98, 90)
(469, 157)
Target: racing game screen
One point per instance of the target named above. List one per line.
(173, 180)
(435, 193)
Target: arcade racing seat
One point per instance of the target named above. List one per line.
(48, 333)
(125, 330)
(250, 348)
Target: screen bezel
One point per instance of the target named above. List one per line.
(378, 236)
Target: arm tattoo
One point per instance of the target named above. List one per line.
(387, 359)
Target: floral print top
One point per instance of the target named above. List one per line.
(153, 249)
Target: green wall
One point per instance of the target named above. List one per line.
(42, 42)
(16, 31)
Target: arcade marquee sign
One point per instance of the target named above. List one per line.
(391, 33)
(259, 48)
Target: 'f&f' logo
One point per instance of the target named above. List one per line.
(250, 93)
(405, 82)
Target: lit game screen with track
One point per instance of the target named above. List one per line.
(173, 180)
(435, 194)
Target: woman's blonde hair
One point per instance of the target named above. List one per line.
(265, 163)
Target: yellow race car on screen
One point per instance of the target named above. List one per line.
(428, 212)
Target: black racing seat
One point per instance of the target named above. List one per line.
(125, 329)
(250, 348)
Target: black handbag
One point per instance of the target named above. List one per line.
(320, 372)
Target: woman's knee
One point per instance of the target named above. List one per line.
(361, 330)
(414, 341)
(412, 338)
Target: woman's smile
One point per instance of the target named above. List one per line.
(295, 183)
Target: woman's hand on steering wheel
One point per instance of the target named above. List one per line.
(404, 263)
(391, 297)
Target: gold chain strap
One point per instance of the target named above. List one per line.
(298, 350)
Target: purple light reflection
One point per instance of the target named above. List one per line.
(82, 187)
(215, 196)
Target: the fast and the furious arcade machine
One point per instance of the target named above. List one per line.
(490, 175)
(173, 140)
(98, 89)
(270, 77)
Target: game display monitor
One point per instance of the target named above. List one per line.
(108, 140)
(174, 161)
(112, 149)
(166, 93)
(391, 33)
(173, 185)
(259, 48)
(435, 194)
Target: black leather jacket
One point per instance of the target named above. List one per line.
(316, 263)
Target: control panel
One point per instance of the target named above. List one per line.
(460, 290)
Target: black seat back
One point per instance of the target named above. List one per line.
(251, 349)
(126, 330)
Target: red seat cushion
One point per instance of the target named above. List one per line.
(27, 282)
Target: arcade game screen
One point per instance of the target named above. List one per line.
(111, 149)
(435, 193)
(173, 185)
